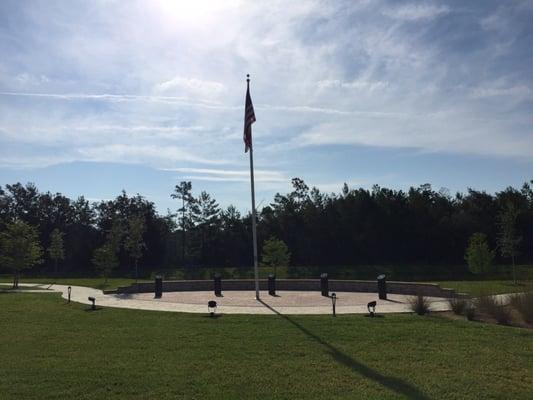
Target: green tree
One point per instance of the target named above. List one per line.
(19, 248)
(478, 255)
(275, 254)
(207, 220)
(105, 260)
(56, 250)
(508, 239)
(183, 192)
(134, 243)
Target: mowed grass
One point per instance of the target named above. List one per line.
(486, 287)
(98, 283)
(50, 349)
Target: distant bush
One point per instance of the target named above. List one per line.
(419, 304)
(491, 306)
(478, 255)
(470, 312)
(523, 303)
(458, 305)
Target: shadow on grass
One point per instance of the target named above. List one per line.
(94, 310)
(215, 316)
(395, 384)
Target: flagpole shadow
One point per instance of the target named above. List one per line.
(395, 384)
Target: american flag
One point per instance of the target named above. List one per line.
(249, 119)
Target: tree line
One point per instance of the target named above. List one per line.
(354, 227)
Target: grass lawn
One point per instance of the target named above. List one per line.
(98, 283)
(486, 287)
(50, 349)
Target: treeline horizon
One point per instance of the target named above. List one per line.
(355, 227)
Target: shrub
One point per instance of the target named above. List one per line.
(458, 305)
(478, 255)
(470, 312)
(523, 303)
(491, 306)
(419, 304)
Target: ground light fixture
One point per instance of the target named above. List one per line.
(333, 302)
(212, 307)
(93, 300)
(371, 308)
(69, 289)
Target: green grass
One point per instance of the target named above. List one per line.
(472, 287)
(98, 283)
(485, 287)
(50, 350)
(21, 288)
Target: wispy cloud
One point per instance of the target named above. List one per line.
(221, 175)
(416, 11)
(191, 86)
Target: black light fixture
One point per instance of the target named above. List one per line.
(371, 308)
(93, 307)
(333, 302)
(69, 289)
(212, 307)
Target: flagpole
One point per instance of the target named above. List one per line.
(254, 229)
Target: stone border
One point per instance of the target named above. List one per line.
(393, 287)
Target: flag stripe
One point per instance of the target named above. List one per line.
(249, 119)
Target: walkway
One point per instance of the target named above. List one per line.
(241, 302)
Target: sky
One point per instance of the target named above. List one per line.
(100, 96)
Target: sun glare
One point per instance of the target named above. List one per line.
(191, 13)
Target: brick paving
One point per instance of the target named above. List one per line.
(244, 302)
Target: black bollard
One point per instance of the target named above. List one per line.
(382, 287)
(158, 287)
(218, 285)
(272, 284)
(69, 291)
(324, 286)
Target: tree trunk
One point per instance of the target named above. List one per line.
(16, 281)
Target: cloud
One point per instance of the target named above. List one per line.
(222, 175)
(191, 86)
(135, 154)
(165, 84)
(520, 92)
(415, 12)
(358, 84)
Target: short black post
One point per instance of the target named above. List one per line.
(158, 287)
(218, 284)
(69, 290)
(324, 286)
(333, 302)
(212, 307)
(382, 287)
(272, 284)
(371, 308)
(93, 300)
